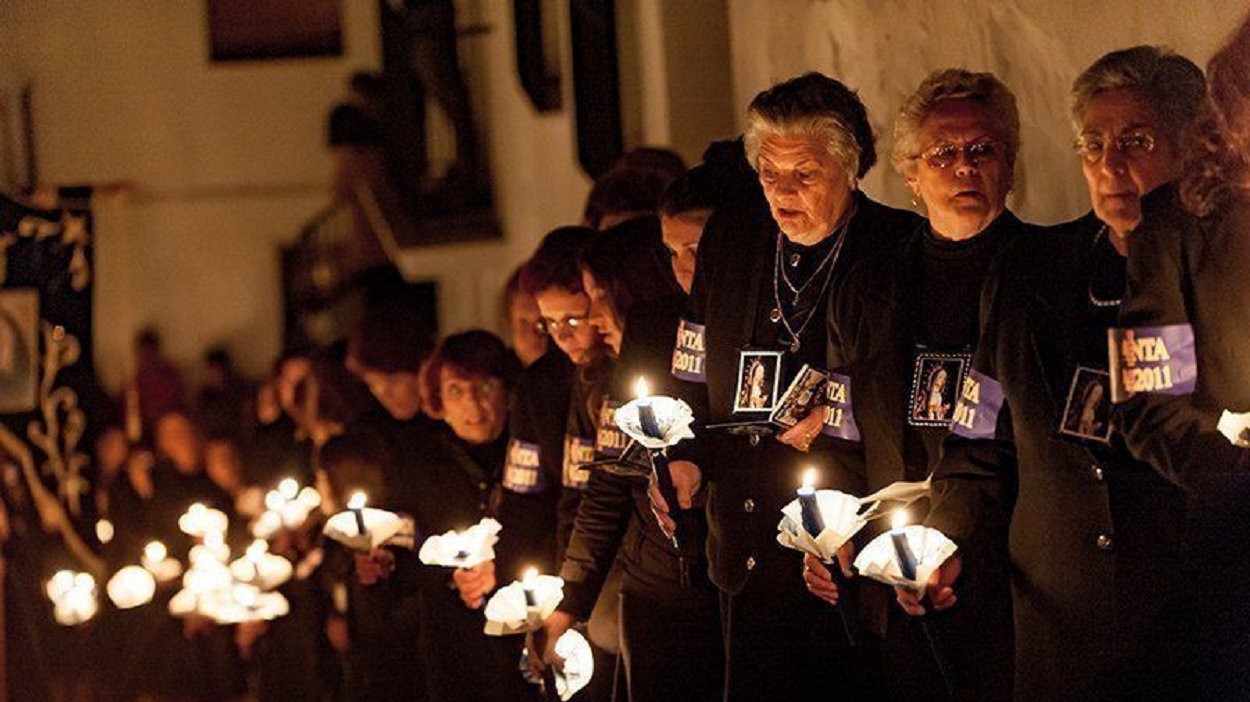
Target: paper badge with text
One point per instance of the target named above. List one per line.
(840, 415)
(690, 353)
(1152, 360)
(522, 470)
(578, 451)
(976, 412)
(610, 441)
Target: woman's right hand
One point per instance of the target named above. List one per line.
(687, 479)
(475, 583)
(940, 589)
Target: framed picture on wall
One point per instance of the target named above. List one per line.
(19, 349)
(252, 30)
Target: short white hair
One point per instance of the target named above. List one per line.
(954, 84)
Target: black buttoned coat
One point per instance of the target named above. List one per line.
(1094, 534)
(871, 340)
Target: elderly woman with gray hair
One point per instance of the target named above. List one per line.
(761, 289)
(1093, 532)
(907, 316)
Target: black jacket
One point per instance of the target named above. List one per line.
(872, 336)
(732, 293)
(1185, 270)
(538, 415)
(1094, 533)
(461, 662)
(614, 520)
(1182, 269)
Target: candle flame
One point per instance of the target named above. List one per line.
(357, 500)
(257, 548)
(214, 539)
(288, 488)
(530, 579)
(809, 479)
(641, 389)
(196, 508)
(155, 552)
(899, 520)
(104, 531)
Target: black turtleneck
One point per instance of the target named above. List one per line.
(949, 285)
(949, 278)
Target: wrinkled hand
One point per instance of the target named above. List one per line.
(687, 479)
(940, 589)
(375, 566)
(246, 635)
(195, 625)
(801, 435)
(338, 634)
(541, 645)
(818, 578)
(475, 583)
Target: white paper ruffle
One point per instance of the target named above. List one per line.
(462, 549)
(673, 416)
(929, 546)
(507, 613)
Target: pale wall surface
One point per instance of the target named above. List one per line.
(229, 161)
(883, 48)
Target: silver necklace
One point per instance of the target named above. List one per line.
(776, 315)
(1089, 285)
(794, 260)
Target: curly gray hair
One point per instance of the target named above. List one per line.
(814, 106)
(954, 84)
(1171, 83)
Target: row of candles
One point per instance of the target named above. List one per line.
(213, 586)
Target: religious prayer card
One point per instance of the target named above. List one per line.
(1087, 412)
(936, 379)
(759, 380)
(806, 392)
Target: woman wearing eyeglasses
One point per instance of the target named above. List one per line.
(1188, 264)
(902, 328)
(1093, 533)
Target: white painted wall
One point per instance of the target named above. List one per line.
(229, 162)
(884, 48)
(229, 159)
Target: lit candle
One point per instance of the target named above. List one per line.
(357, 505)
(154, 554)
(288, 489)
(902, 550)
(528, 583)
(104, 531)
(646, 415)
(813, 521)
(255, 552)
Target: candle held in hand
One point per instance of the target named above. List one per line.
(357, 505)
(528, 583)
(813, 520)
(646, 414)
(902, 550)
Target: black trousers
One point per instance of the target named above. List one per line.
(784, 644)
(673, 647)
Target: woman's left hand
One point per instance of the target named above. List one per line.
(801, 435)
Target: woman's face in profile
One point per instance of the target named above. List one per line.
(603, 315)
